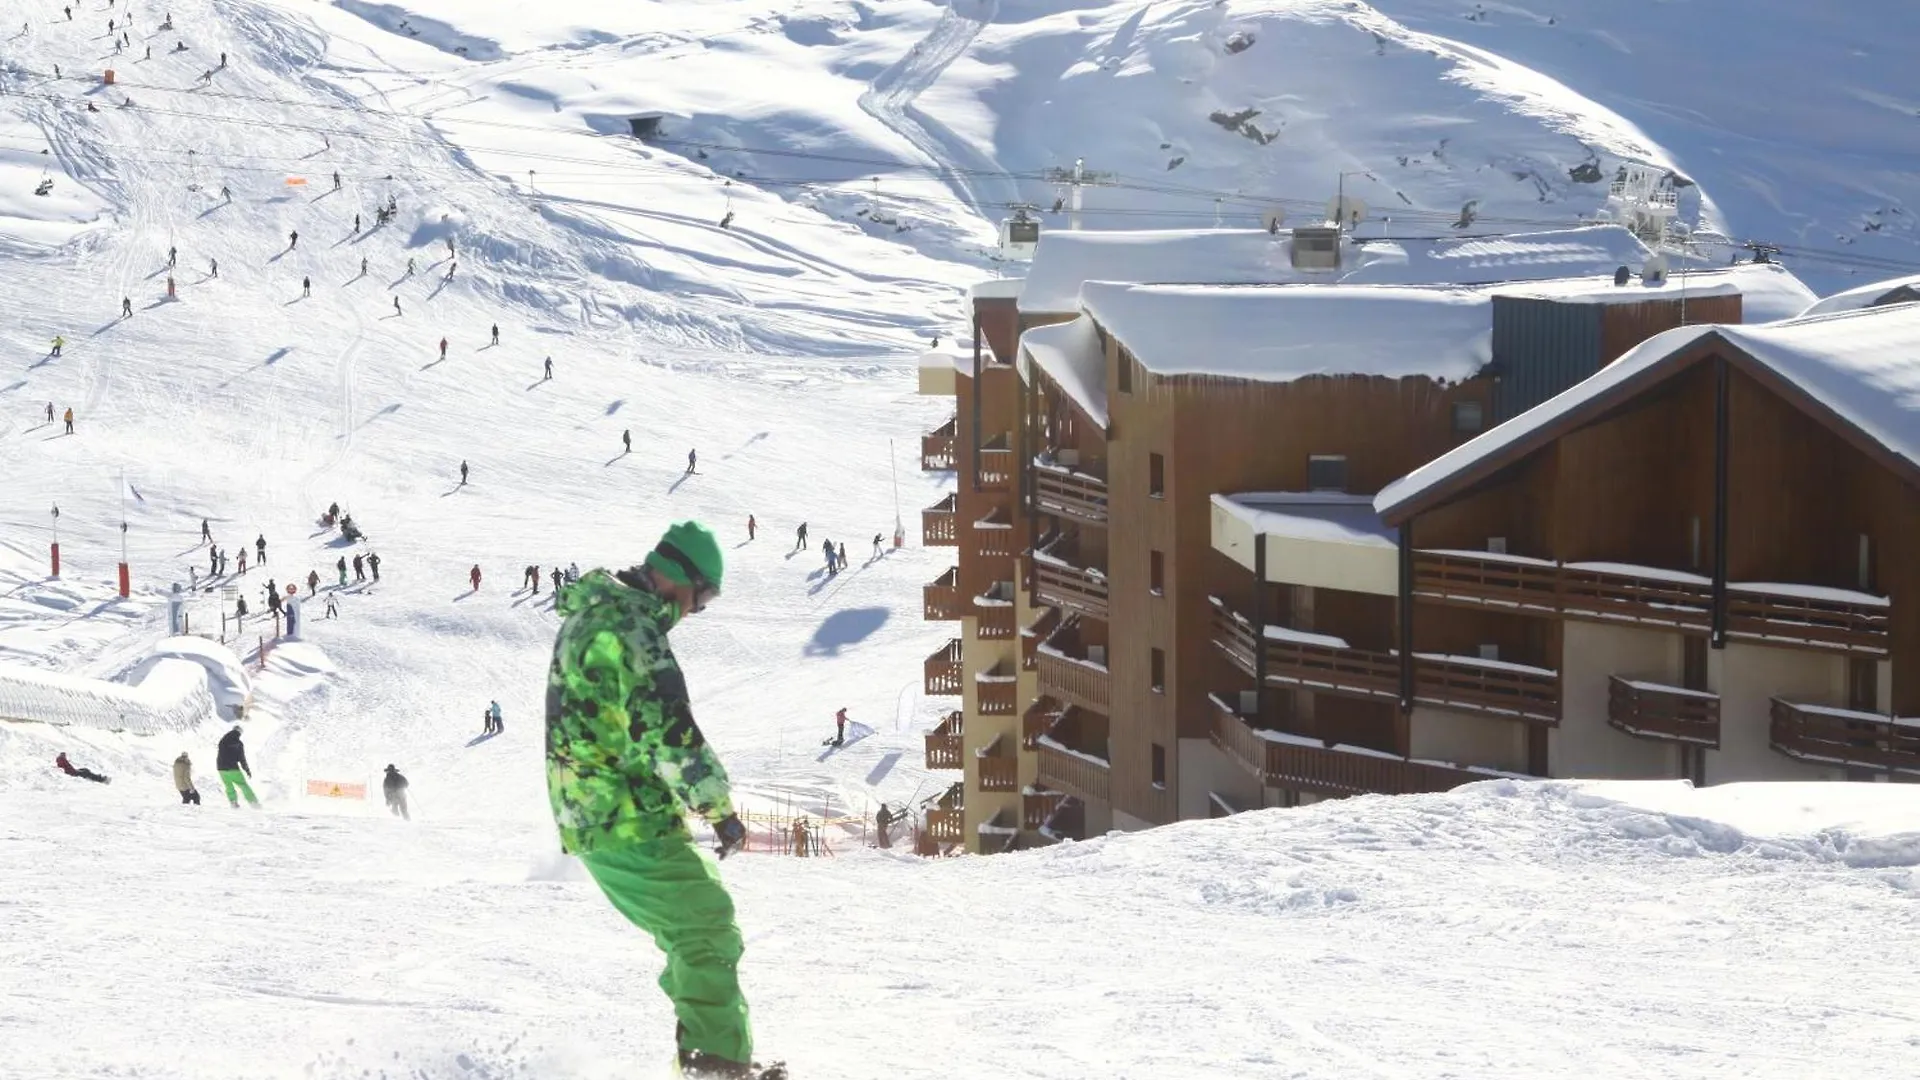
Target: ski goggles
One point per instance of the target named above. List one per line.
(704, 591)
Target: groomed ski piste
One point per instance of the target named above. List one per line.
(1504, 930)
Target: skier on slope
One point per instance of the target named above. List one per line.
(373, 564)
(463, 474)
(359, 567)
(473, 575)
(234, 770)
(395, 788)
(840, 728)
(313, 582)
(626, 763)
(260, 544)
(495, 723)
(752, 526)
(841, 556)
(341, 566)
(693, 459)
(183, 780)
(70, 769)
(800, 537)
(496, 333)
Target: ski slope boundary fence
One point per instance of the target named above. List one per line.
(172, 696)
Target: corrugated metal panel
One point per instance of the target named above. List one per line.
(1540, 347)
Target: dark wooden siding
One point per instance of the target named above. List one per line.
(998, 321)
(1625, 325)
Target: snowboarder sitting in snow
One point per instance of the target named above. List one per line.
(68, 767)
(626, 763)
(395, 787)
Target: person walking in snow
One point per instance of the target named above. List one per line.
(473, 575)
(356, 223)
(626, 441)
(72, 770)
(443, 348)
(213, 268)
(496, 333)
(882, 824)
(173, 257)
(206, 531)
(313, 582)
(58, 344)
(409, 267)
(126, 307)
(240, 602)
(693, 459)
(495, 723)
(826, 548)
(359, 568)
(558, 577)
(243, 559)
(336, 181)
(273, 598)
(293, 239)
(231, 763)
(529, 576)
(49, 412)
(463, 474)
(626, 763)
(373, 564)
(752, 527)
(800, 537)
(842, 556)
(573, 573)
(549, 369)
(363, 266)
(333, 609)
(224, 558)
(840, 728)
(451, 267)
(260, 543)
(341, 566)
(213, 561)
(172, 292)
(183, 780)
(395, 788)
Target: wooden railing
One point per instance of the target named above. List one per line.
(994, 622)
(1070, 494)
(1461, 684)
(937, 525)
(1038, 720)
(997, 696)
(1037, 806)
(1317, 769)
(941, 597)
(1032, 636)
(1843, 737)
(1073, 682)
(944, 743)
(946, 826)
(1463, 579)
(1076, 775)
(1355, 673)
(1666, 713)
(1233, 636)
(943, 670)
(996, 467)
(998, 773)
(1070, 588)
(991, 541)
(936, 446)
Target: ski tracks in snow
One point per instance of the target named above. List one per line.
(890, 99)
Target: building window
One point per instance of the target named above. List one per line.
(1156, 573)
(1159, 766)
(1123, 371)
(1157, 673)
(1468, 417)
(1156, 476)
(1327, 472)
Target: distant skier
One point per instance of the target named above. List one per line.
(243, 559)
(313, 582)
(495, 723)
(183, 780)
(373, 564)
(363, 267)
(840, 728)
(573, 572)
(463, 474)
(213, 561)
(626, 763)
(558, 578)
(58, 344)
(333, 609)
(826, 549)
(356, 223)
(260, 544)
(359, 568)
(409, 267)
(173, 257)
(293, 239)
(496, 333)
(752, 526)
(626, 441)
(473, 575)
(396, 306)
(306, 286)
(800, 537)
(549, 368)
(49, 412)
(273, 598)
(234, 770)
(240, 602)
(530, 578)
(443, 348)
(341, 566)
(451, 267)
(336, 181)
(693, 460)
(213, 268)
(842, 556)
(395, 787)
(876, 545)
(68, 767)
(882, 822)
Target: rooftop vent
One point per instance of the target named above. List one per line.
(1316, 247)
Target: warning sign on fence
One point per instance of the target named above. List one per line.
(336, 789)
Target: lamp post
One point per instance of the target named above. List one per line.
(56, 540)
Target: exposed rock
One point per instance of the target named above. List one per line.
(1587, 172)
(1175, 163)
(1240, 42)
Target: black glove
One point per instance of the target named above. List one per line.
(731, 834)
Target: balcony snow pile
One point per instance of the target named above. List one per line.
(1490, 665)
(1291, 636)
(1280, 333)
(1674, 691)
(1824, 594)
(1052, 743)
(1070, 354)
(1327, 516)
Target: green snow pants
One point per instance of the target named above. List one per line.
(234, 778)
(669, 889)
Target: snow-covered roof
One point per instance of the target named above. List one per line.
(1861, 296)
(1591, 250)
(1863, 365)
(996, 289)
(1064, 261)
(1768, 291)
(1282, 332)
(953, 358)
(1070, 354)
(1310, 515)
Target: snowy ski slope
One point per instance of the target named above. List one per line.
(1573, 935)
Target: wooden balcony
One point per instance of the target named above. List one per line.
(1302, 764)
(1510, 690)
(998, 773)
(943, 743)
(994, 538)
(994, 619)
(995, 467)
(1826, 735)
(1084, 777)
(1666, 713)
(1030, 638)
(946, 826)
(997, 693)
(936, 447)
(1783, 614)
(1038, 720)
(1069, 494)
(937, 525)
(1074, 682)
(1037, 806)
(943, 670)
(941, 597)
(1059, 582)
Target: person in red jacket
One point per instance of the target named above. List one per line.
(840, 727)
(473, 575)
(67, 767)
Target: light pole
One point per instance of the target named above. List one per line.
(56, 540)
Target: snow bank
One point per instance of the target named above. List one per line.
(171, 695)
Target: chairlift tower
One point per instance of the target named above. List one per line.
(1076, 179)
(1643, 198)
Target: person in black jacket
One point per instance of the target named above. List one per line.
(395, 786)
(234, 770)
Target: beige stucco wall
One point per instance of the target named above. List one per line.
(1585, 745)
(1204, 769)
(1747, 678)
(1466, 739)
(1363, 568)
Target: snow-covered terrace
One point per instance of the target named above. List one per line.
(1330, 540)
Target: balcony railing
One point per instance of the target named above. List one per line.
(944, 742)
(1301, 764)
(1461, 682)
(1649, 596)
(1037, 806)
(943, 670)
(1032, 636)
(946, 826)
(1074, 682)
(996, 467)
(1069, 494)
(942, 597)
(993, 537)
(1057, 582)
(1861, 740)
(998, 773)
(1667, 713)
(936, 446)
(937, 525)
(1038, 720)
(998, 692)
(1076, 774)
(994, 619)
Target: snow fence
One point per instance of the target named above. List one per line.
(171, 695)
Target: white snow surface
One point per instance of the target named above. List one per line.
(1332, 517)
(1861, 296)
(1069, 353)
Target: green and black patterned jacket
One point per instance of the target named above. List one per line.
(625, 761)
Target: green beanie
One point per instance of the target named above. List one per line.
(698, 550)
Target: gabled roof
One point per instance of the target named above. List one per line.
(1859, 372)
(1865, 296)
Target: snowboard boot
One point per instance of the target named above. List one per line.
(700, 1065)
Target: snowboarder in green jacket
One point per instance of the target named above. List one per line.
(626, 764)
